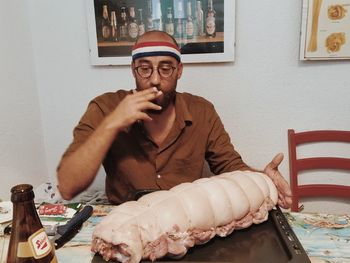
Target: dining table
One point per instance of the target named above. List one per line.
(324, 237)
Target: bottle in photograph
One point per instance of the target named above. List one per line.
(179, 14)
(141, 24)
(199, 18)
(105, 24)
(210, 27)
(179, 32)
(123, 28)
(189, 21)
(158, 21)
(29, 242)
(114, 27)
(150, 25)
(133, 28)
(169, 26)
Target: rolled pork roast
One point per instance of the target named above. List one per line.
(169, 222)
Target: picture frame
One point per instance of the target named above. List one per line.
(325, 30)
(196, 46)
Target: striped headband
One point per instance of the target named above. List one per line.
(148, 49)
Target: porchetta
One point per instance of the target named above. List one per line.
(169, 222)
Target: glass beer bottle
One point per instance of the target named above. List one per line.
(210, 21)
(106, 24)
(28, 242)
(189, 22)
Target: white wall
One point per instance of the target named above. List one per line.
(22, 151)
(259, 96)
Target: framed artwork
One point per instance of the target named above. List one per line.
(204, 29)
(325, 30)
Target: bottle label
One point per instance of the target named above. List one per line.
(123, 31)
(23, 250)
(169, 28)
(179, 30)
(40, 244)
(133, 30)
(210, 25)
(141, 29)
(106, 32)
(189, 29)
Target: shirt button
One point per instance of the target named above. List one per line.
(159, 176)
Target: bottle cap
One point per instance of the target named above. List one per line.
(22, 192)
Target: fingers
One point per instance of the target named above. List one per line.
(147, 94)
(142, 100)
(133, 108)
(282, 185)
(276, 161)
(284, 201)
(284, 192)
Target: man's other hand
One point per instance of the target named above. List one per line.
(284, 191)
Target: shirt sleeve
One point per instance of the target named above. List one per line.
(220, 153)
(92, 117)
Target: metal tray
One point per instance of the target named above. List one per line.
(271, 241)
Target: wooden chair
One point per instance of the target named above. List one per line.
(315, 163)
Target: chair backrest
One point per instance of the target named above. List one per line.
(301, 164)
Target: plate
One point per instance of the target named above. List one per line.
(5, 211)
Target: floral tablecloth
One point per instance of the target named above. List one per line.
(323, 236)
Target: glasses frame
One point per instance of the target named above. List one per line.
(155, 67)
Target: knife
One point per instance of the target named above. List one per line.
(66, 232)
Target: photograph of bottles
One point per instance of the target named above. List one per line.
(197, 25)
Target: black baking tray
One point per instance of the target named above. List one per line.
(270, 242)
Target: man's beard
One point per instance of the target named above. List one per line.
(168, 99)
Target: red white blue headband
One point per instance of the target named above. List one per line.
(148, 49)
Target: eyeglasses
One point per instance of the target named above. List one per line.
(164, 71)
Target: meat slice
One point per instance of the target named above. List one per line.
(170, 222)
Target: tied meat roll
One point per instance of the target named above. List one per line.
(169, 222)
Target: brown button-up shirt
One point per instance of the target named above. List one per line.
(134, 161)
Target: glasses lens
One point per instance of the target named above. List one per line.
(144, 72)
(165, 72)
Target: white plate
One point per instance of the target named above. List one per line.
(5, 211)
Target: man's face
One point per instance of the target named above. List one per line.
(166, 84)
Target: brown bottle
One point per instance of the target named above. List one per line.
(28, 242)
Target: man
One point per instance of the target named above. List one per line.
(152, 137)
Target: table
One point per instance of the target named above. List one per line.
(325, 237)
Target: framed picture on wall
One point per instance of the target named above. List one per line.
(325, 30)
(204, 29)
